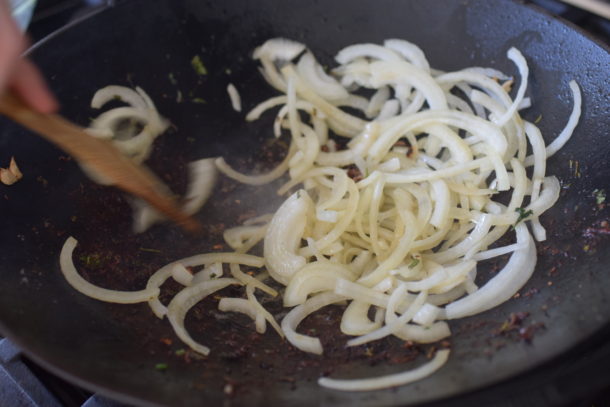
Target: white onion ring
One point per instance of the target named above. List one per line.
(185, 300)
(393, 380)
(93, 291)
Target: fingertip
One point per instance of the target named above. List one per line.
(47, 103)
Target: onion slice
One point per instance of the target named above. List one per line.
(93, 291)
(392, 380)
(187, 299)
(299, 313)
(234, 97)
(502, 286)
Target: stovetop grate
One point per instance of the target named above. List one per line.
(24, 384)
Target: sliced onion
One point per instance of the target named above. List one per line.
(409, 51)
(202, 179)
(355, 320)
(182, 275)
(392, 380)
(521, 63)
(243, 306)
(93, 291)
(394, 326)
(253, 179)
(228, 304)
(424, 334)
(234, 97)
(313, 278)
(247, 279)
(395, 219)
(262, 107)
(375, 51)
(426, 315)
(262, 312)
(209, 272)
(504, 284)
(284, 235)
(187, 299)
(567, 131)
(279, 48)
(160, 276)
(299, 313)
(323, 84)
(123, 93)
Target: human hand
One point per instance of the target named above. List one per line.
(18, 73)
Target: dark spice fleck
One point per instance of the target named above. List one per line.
(354, 173)
(593, 232)
(531, 292)
(514, 322)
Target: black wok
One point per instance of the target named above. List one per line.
(114, 349)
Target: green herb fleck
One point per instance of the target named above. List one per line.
(180, 352)
(161, 367)
(146, 249)
(172, 78)
(414, 263)
(523, 214)
(179, 97)
(190, 139)
(198, 66)
(198, 100)
(600, 196)
(91, 260)
(505, 326)
(538, 119)
(228, 71)
(576, 168)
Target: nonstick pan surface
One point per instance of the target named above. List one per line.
(114, 349)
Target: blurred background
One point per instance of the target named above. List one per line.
(50, 15)
(47, 16)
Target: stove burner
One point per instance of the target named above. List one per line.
(24, 384)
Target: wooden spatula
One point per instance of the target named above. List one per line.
(100, 155)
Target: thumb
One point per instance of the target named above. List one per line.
(12, 44)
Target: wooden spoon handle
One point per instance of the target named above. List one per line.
(99, 155)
